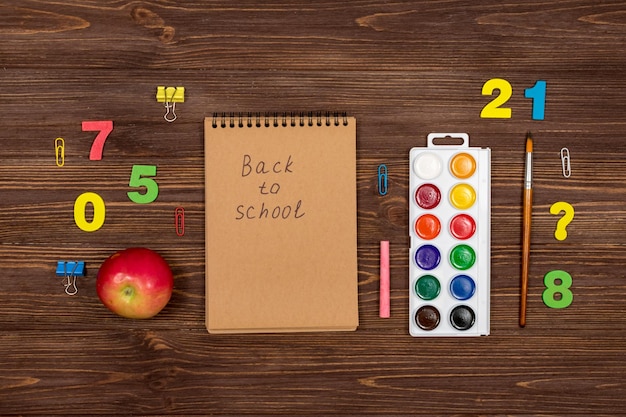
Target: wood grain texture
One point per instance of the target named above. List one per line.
(403, 69)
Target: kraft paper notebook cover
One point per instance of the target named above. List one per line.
(281, 232)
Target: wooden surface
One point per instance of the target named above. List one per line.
(403, 69)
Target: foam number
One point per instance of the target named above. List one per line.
(104, 128)
(538, 94)
(139, 177)
(557, 293)
(493, 109)
(80, 208)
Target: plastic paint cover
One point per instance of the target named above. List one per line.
(462, 165)
(462, 317)
(427, 317)
(462, 226)
(449, 228)
(462, 196)
(428, 196)
(462, 287)
(428, 166)
(427, 287)
(428, 226)
(427, 257)
(462, 257)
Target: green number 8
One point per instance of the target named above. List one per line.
(553, 288)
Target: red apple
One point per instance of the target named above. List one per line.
(135, 283)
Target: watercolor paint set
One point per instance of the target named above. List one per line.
(449, 228)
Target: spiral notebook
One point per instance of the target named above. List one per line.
(281, 223)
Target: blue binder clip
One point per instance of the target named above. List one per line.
(382, 179)
(70, 270)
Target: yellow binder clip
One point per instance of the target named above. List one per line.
(170, 96)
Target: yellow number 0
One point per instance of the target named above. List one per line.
(98, 212)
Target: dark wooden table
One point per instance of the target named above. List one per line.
(403, 69)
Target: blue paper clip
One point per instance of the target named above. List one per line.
(70, 270)
(382, 179)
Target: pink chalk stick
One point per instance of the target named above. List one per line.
(384, 309)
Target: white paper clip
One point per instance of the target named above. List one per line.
(565, 163)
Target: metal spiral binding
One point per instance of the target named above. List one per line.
(276, 119)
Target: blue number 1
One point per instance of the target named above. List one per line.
(538, 94)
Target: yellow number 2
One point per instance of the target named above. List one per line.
(493, 109)
(80, 206)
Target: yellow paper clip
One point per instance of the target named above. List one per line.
(170, 96)
(565, 163)
(59, 151)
